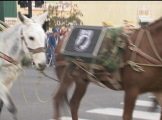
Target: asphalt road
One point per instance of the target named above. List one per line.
(98, 103)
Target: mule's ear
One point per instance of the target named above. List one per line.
(20, 17)
(23, 18)
(41, 18)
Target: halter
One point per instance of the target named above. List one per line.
(37, 50)
(33, 51)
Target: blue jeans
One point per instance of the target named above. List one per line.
(53, 57)
(50, 56)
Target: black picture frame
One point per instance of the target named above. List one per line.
(90, 38)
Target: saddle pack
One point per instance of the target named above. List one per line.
(105, 66)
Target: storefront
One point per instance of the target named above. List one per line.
(8, 12)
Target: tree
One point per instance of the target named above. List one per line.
(58, 18)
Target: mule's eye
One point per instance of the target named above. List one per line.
(31, 38)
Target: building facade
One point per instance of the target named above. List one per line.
(95, 12)
(8, 12)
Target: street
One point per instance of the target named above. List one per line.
(98, 103)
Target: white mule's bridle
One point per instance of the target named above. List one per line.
(33, 51)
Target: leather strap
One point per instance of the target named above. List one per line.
(61, 63)
(7, 58)
(141, 53)
(38, 50)
(89, 66)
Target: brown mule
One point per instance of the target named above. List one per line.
(141, 73)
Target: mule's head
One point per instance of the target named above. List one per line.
(33, 37)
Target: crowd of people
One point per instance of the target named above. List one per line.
(51, 43)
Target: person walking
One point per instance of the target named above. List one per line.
(53, 39)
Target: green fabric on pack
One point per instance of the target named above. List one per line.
(111, 51)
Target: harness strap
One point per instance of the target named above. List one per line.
(38, 50)
(61, 63)
(144, 55)
(153, 45)
(137, 43)
(7, 58)
(141, 53)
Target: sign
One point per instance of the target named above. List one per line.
(84, 41)
(144, 15)
(64, 22)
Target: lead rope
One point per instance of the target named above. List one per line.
(91, 74)
(20, 82)
(22, 90)
(36, 90)
(38, 81)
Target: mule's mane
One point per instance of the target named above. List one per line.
(155, 24)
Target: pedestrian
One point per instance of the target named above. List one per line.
(53, 39)
(62, 32)
(48, 33)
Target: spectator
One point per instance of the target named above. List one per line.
(62, 32)
(46, 41)
(53, 39)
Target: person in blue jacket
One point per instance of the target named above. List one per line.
(52, 44)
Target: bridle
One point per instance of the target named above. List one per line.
(33, 51)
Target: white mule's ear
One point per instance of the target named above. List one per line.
(23, 18)
(41, 18)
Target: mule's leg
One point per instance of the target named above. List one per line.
(80, 89)
(129, 103)
(58, 98)
(1, 105)
(7, 100)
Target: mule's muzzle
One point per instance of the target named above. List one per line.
(41, 67)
